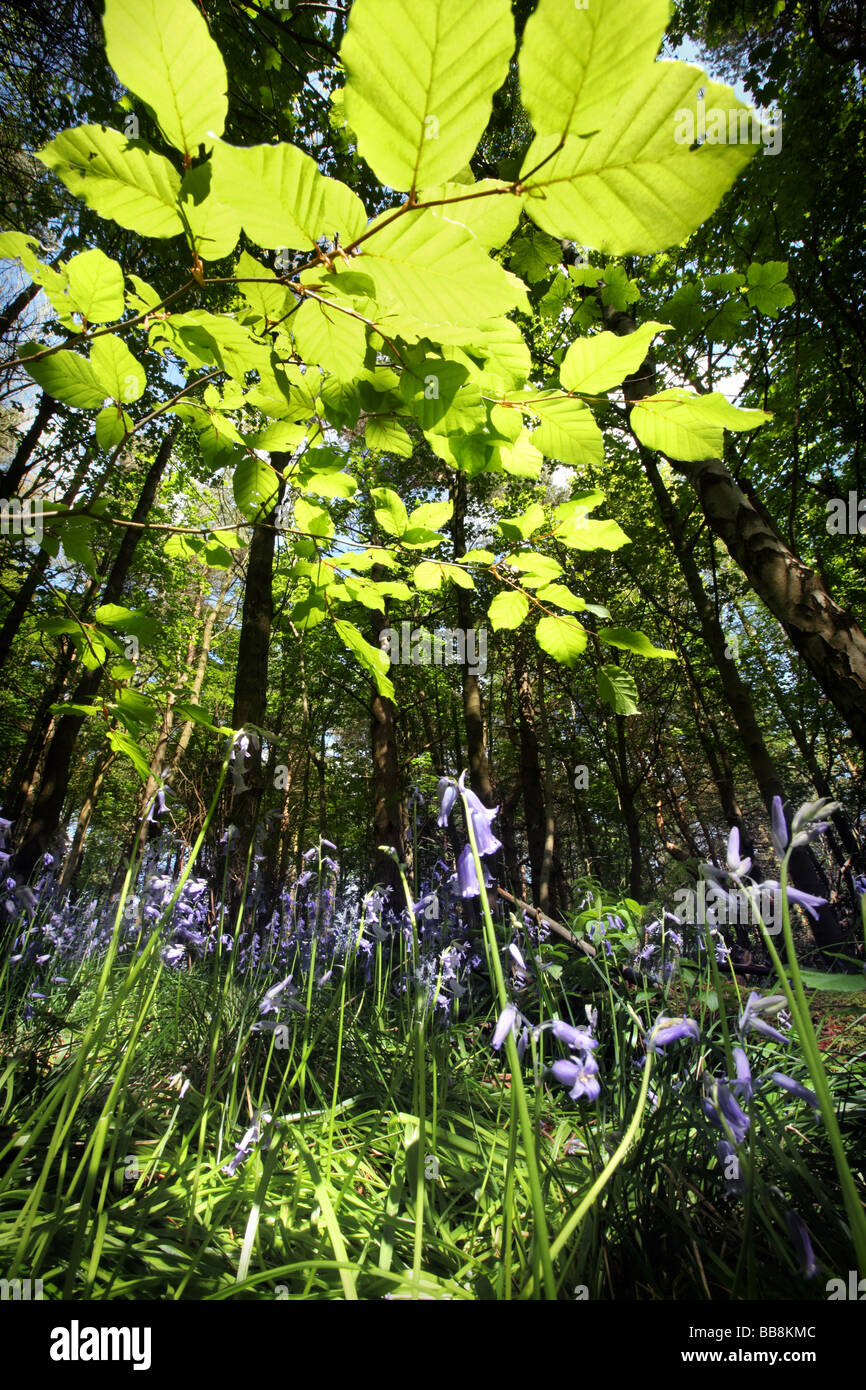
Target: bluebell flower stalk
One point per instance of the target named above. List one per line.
(795, 995)
(529, 1136)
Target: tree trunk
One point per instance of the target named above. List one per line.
(804, 869)
(829, 639)
(389, 817)
(251, 679)
(473, 705)
(55, 777)
(72, 862)
(12, 479)
(13, 619)
(530, 771)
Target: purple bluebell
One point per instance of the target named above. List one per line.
(514, 952)
(788, 1083)
(482, 817)
(580, 1075)
(735, 1183)
(504, 1025)
(722, 1109)
(467, 878)
(578, 1039)
(447, 792)
(758, 1009)
(779, 827)
(743, 1086)
(802, 1244)
(667, 1030)
(736, 865)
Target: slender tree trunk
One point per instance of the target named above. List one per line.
(251, 679)
(16, 306)
(72, 862)
(389, 816)
(13, 619)
(805, 871)
(55, 777)
(473, 705)
(829, 639)
(816, 772)
(12, 479)
(530, 771)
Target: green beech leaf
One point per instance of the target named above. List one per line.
(215, 227)
(117, 178)
(458, 576)
(119, 372)
(575, 61)
(112, 424)
(136, 708)
(637, 186)
(162, 51)
(596, 364)
(490, 219)
(690, 427)
(272, 301)
(433, 514)
(567, 431)
(96, 286)
(617, 688)
(427, 576)
(67, 377)
(435, 271)
(130, 620)
(391, 513)
(255, 486)
(562, 596)
(521, 459)
(629, 641)
(282, 199)
(562, 638)
(420, 79)
(122, 743)
(373, 659)
(330, 485)
(508, 609)
(330, 336)
(389, 437)
(312, 520)
(520, 528)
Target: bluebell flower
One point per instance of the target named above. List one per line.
(667, 1030)
(736, 865)
(722, 1109)
(504, 1025)
(743, 1086)
(779, 829)
(514, 952)
(755, 1014)
(802, 1244)
(447, 792)
(467, 878)
(735, 1183)
(578, 1039)
(580, 1074)
(809, 901)
(482, 817)
(788, 1083)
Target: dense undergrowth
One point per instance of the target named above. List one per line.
(344, 1100)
